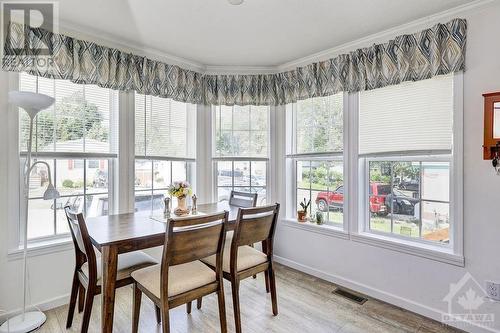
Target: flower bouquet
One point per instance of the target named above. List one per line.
(180, 190)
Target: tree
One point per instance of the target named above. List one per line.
(74, 119)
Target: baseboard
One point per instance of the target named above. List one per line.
(42, 306)
(404, 303)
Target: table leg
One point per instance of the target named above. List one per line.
(109, 267)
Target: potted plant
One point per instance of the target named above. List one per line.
(320, 219)
(302, 213)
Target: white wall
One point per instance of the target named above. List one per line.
(420, 284)
(409, 281)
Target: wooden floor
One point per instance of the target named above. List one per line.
(306, 304)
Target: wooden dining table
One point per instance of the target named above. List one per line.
(121, 233)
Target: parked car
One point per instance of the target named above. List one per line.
(335, 200)
(409, 185)
(400, 202)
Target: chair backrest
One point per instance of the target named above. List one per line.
(242, 199)
(84, 251)
(255, 225)
(194, 238)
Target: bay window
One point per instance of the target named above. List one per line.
(315, 142)
(241, 150)
(406, 157)
(164, 148)
(77, 137)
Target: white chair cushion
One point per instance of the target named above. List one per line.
(127, 263)
(181, 278)
(247, 256)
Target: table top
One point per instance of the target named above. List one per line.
(125, 228)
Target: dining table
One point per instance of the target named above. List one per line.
(121, 233)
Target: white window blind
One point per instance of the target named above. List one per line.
(414, 116)
(164, 127)
(83, 118)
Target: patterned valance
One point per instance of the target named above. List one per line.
(434, 51)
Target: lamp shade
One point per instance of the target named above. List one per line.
(31, 102)
(50, 193)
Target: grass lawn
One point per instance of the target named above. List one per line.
(383, 224)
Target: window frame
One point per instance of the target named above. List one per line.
(452, 254)
(191, 163)
(215, 158)
(20, 213)
(292, 157)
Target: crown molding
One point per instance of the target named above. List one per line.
(109, 40)
(389, 33)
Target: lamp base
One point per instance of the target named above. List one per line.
(32, 321)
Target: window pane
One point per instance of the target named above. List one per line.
(97, 173)
(225, 173)
(75, 203)
(241, 130)
(261, 195)
(436, 221)
(179, 171)
(303, 174)
(143, 175)
(411, 116)
(259, 171)
(39, 178)
(161, 174)
(436, 181)
(69, 176)
(143, 201)
(97, 205)
(223, 193)
(40, 218)
(241, 173)
(319, 124)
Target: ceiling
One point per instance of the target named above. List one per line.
(256, 33)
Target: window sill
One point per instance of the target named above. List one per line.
(438, 253)
(324, 229)
(42, 248)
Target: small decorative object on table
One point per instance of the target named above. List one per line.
(320, 218)
(194, 210)
(180, 190)
(302, 214)
(166, 207)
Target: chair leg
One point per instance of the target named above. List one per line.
(136, 308)
(188, 307)
(235, 286)
(222, 310)
(165, 321)
(272, 284)
(198, 303)
(87, 311)
(81, 298)
(255, 275)
(72, 300)
(266, 276)
(158, 314)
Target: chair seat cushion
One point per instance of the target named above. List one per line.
(127, 263)
(181, 278)
(247, 256)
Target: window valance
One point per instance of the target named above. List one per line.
(422, 55)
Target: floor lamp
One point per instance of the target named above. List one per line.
(32, 103)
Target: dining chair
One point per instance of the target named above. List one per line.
(241, 261)
(87, 273)
(181, 277)
(242, 199)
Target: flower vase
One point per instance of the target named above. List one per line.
(181, 206)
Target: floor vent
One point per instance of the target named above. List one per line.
(350, 296)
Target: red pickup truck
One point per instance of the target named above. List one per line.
(335, 199)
